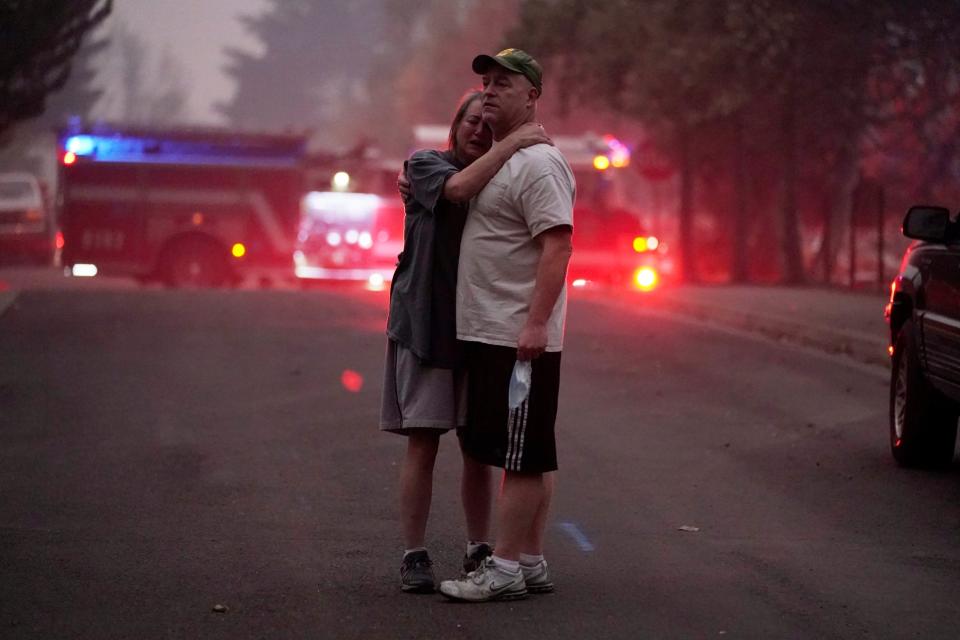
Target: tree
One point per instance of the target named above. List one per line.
(25, 146)
(677, 78)
(366, 69)
(315, 63)
(161, 101)
(795, 86)
(38, 39)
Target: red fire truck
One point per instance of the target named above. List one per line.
(188, 207)
(351, 225)
(611, 244)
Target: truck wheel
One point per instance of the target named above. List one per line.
(923, 423)
(195, 262)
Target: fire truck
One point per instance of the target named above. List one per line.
(351, 223)
(612, 245)
(188, 207)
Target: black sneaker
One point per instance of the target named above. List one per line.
(416, 573)
(472, 561)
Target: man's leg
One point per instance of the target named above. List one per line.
(533, 542)
(532, 563)
(416, 485)
(524, 501)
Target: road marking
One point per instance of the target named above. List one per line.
(579, 537)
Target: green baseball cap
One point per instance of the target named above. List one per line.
(513, 60)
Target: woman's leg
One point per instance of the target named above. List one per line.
(416, 485)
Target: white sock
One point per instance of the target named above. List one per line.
(510, 566)
(473, 546)
(409, 551)
(528, 560)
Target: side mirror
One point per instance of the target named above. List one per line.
(927, 223)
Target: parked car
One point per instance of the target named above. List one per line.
(924, 318)
(26, 232)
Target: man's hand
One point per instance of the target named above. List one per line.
(532, 341)
(403, 185)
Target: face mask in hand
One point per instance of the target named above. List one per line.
(519, 383)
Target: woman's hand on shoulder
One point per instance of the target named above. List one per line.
(529, 134)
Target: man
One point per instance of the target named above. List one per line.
(511, 304)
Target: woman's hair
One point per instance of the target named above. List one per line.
(465, 103)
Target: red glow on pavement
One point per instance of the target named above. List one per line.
(4, 286)
(351, 380)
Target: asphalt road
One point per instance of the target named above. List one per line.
(162, 453)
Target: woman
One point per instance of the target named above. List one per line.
(424, 391)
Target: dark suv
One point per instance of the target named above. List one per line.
(924, 318)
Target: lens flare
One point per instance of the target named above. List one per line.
(351, 381)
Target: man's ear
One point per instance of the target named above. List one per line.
(532, 96)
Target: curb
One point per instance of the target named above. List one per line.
(6, 300)
(862, 347)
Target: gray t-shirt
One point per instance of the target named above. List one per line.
(422, 295)
(499, 255)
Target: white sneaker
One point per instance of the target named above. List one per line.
(537, 578)
(488, 582)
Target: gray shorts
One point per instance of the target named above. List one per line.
(416, 396)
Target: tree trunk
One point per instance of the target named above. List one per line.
(840, 213)
(688, 265)
(739, 265)
(790, 239)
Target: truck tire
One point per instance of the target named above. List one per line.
(923, 423)
(195, 262)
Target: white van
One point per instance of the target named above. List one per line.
(26, 232)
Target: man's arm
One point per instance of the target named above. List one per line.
(467, 183)
(551, 276)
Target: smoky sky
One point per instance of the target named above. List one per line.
(194, 34)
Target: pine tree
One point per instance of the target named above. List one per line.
(316, 59)
(38, 40)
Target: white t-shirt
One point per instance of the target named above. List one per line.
(532, 192)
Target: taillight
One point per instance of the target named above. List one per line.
(59, 240)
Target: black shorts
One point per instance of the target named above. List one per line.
(521, 439)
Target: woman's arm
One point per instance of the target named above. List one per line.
(468, 182)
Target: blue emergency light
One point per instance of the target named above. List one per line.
(152, 148)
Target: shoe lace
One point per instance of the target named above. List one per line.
(478, 576)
